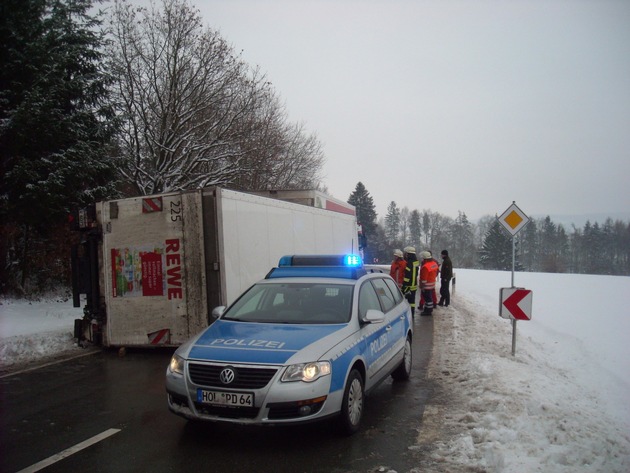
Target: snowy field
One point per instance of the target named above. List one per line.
(559, 405)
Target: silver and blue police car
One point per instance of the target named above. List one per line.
(308, 342)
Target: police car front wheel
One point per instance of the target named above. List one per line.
(353, 399)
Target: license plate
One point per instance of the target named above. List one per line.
(223, 398)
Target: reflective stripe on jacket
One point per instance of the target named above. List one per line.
(410, 281)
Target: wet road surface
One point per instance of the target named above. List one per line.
(55, 408)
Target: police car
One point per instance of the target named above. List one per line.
(308, 342)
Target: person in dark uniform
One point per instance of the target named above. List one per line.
(446, 274)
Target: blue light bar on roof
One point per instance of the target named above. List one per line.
(347, 261)
(316, 272)
(331, 266)
(353, 260)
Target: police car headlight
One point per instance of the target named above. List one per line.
(177, 364)
(307, 372)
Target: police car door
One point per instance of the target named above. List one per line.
(376, 334)
(396, 318)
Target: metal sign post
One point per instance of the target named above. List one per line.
(514, 337)
(513, 220)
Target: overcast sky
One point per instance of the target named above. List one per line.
(453, 105)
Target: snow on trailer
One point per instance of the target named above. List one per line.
(163, 262)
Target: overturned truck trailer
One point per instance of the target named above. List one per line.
(152, 268)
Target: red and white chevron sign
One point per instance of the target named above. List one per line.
(516, 303)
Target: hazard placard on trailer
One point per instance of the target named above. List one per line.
(151, 204)
(160, 337)
(516, 303)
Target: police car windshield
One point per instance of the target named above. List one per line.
(293, 303)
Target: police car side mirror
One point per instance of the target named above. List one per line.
(373, 316)
(216, 313)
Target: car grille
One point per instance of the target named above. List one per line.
(246, 378)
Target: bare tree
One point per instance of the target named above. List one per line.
(194, 113)
(434, 228)
(283, 156)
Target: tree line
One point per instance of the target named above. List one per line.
(129, 101)
(541, 246)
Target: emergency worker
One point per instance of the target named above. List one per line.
(446, 274)
(397, 269)
(428, 275)
(434, 294)
(410, 280)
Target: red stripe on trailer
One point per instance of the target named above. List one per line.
(339, 208)
(161, 337)
(151, 204)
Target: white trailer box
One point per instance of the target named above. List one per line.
(165, 261)
(310, 197)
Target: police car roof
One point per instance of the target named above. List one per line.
(318, 266)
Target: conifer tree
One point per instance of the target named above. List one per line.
(56, 121)
(415, 229)
(462, 241)
(366, 216)
(392, 223)
(496, 252)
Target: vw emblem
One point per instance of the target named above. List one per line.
(227, 375)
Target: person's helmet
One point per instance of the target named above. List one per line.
(425, 255)
(444, 252)
(398, 253)
(410, 249)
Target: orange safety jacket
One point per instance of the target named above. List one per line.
(397, 270)
(428, 275)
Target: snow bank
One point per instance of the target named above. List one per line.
(554, 407)
(34, 330)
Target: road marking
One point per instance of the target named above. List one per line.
(69, 451)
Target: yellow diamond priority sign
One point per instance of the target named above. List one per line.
(513, 219)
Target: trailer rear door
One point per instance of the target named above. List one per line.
(153, 272)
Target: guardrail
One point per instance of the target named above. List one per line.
(377, 268)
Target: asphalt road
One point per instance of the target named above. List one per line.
(107, 413)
